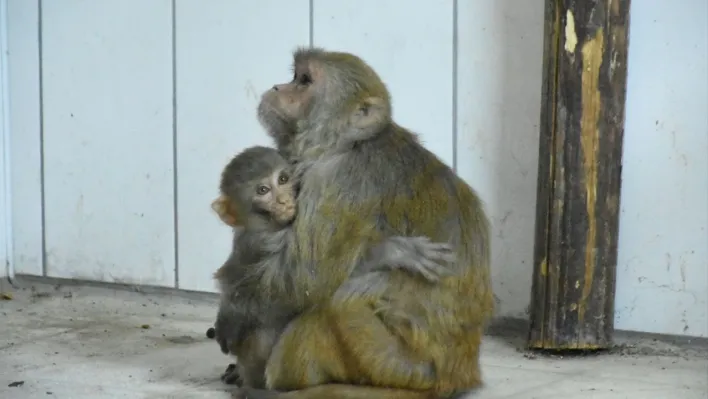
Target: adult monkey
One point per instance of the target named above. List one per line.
(388, 335)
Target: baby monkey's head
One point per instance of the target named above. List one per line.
(256, 186)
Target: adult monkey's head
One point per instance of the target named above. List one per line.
(334, 99)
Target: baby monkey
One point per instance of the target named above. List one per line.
(258, 198)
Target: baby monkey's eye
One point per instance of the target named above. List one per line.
(262, 190)
(283, 178)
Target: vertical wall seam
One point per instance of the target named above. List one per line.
(175, 190)
(42, 180)
(455, 45)
(6, 167)
(312, 23)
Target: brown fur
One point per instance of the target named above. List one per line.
(258, 186)
(364, 178)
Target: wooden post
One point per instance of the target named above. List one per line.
(580, 163)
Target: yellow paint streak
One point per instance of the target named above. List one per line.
(544, 267)
(591, 104)
(571, 39)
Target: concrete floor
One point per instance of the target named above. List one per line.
(91, 342)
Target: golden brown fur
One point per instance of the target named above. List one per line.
(379, 335)
(257, 184)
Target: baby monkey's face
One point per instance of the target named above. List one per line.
(275, 195)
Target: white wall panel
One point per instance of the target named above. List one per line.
(662, 270)
(25, 135)
(5, 232)
(410, 45)
(108, 137)
(228, 53)
(500, 60)
(104, 109)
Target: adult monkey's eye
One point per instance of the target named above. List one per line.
(305, 79)
(262, 190)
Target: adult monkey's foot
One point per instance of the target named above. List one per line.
(253, 393)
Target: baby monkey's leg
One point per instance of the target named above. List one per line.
(231, 375)
(252, 354)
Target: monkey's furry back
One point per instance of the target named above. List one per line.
(405, 188)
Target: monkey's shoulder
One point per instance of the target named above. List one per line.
(398, 156)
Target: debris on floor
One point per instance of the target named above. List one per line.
(88, 342)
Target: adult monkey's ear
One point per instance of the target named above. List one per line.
(371, 115)
(223, 207)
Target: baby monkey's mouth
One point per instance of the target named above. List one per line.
(285, 215)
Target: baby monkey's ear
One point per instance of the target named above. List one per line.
(223, 207)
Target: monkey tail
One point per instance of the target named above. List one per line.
(340, 391)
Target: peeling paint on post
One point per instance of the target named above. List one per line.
(582, 124)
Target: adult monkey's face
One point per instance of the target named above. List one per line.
(334, 98)
(285, 104)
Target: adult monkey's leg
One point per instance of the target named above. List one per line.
(337, 391)
(323, 350)
(344, 345)
(319, 354)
